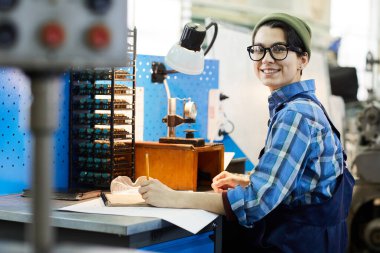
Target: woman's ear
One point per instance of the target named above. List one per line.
(304, 60)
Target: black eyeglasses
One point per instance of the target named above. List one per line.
(278, 51)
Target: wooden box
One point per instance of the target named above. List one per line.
(181, 166)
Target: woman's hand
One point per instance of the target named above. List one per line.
(157, 194)
(226, 180)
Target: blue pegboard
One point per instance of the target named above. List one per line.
(61, 137)
(16, 140)
(180, 85)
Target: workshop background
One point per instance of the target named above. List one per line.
(344, 62)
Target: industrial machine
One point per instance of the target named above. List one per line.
(364, 137)
(364, 218)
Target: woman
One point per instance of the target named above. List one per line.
(298, 196)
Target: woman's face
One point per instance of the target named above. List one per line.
(273, 73)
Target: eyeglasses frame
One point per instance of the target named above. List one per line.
(291, 48)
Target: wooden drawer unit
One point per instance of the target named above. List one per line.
(181, 166)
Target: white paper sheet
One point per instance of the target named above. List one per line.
(193, 220)
(227, 158)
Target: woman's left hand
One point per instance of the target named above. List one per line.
(226, 180)
(157, 194)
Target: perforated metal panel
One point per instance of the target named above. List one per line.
(61, 140)
(16, 150)
(15, 139)
(180, 85)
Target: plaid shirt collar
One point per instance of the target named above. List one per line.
(285, 93)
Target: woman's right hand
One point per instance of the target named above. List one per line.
(157, 194)
(226, 180)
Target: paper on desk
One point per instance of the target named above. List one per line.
(193, 220)
(228, 158)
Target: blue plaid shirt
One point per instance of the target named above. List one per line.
(302, 158)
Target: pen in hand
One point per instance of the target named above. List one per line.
(147, 165)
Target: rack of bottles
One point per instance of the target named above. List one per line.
(102, 123)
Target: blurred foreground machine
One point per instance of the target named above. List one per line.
(44, 38)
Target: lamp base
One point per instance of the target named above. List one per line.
(196, 142)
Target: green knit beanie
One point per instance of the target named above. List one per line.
(301, 28)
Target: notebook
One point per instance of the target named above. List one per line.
(120, 200)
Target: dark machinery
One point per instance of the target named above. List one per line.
(364, 217)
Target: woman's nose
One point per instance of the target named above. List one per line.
(267, 57)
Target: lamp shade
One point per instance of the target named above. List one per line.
(184, 60)
(187, 56)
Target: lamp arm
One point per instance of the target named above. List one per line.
(167, 88)
(214, 37)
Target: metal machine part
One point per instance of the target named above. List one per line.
(364, 217)
(372, 234)
(367, 163)
(190, 110)
(369, 125)
(44, 38)
(363, 220)
(172, 119)
(45, 34)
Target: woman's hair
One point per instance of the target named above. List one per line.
(292, 38)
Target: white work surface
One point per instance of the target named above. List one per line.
(193, 220)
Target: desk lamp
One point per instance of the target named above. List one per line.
(185, 56)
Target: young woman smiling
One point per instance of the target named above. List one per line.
(298, 196)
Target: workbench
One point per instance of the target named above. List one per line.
(94, 229)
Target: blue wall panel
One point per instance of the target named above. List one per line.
(16, 145)
(61, 137)
(180, 85)
(15, 139)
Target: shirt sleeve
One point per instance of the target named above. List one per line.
(275, 175)
(227, 207)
